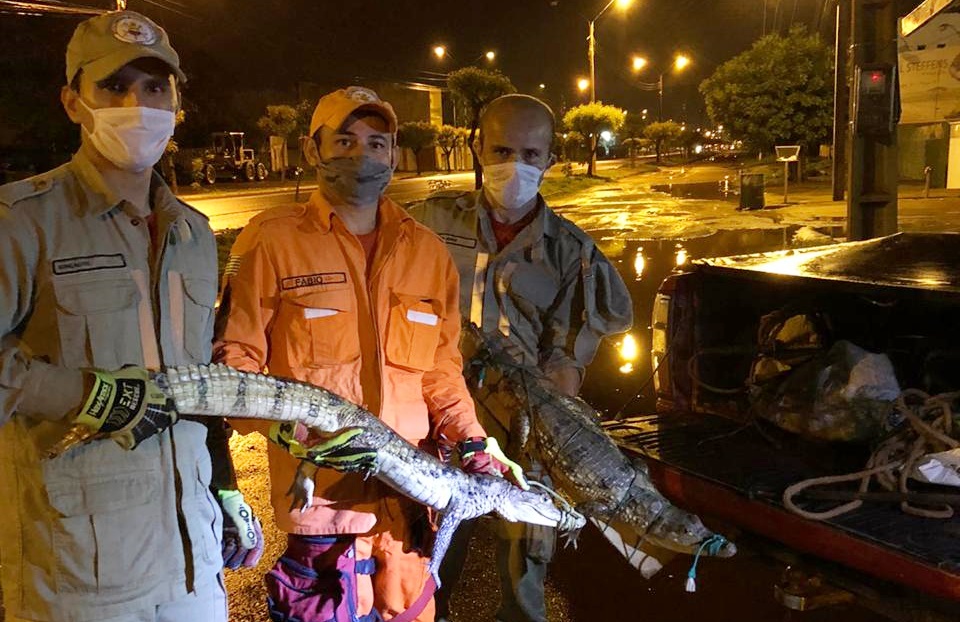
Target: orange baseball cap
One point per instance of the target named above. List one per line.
(103, 44)
(334, 108)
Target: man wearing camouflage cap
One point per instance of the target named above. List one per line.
(105, 275)
(349, 293)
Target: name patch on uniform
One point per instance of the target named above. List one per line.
(458, 240)
(311, 280)
(73, 265)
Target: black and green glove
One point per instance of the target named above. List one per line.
(126, 406)
(331, 450)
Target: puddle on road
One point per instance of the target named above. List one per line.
(723, 190)
(613, 382)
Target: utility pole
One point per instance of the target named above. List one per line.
(591, 58)
(873, 167)
(841, 98)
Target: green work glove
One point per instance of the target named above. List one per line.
(484, 456)
(332, 450)
(126, 406)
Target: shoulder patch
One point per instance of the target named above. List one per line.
(24, 189)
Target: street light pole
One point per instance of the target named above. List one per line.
(591, 57)
(592, 46)
(660, 91)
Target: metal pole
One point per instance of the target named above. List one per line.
(660, 89)
(786, 178)
(841, 99)
(591, 53)
(872, 169)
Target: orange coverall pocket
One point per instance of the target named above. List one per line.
(330, 319)
(413, 333)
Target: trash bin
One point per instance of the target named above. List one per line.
(751, 191)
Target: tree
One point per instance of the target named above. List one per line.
(574, 147)
(448, 139)
(662, 132)
(633, 126)
(280, 120)
(780, 91)
(473, 88)
(590, 120)
(416, 136)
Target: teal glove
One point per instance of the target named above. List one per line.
(126, 406)
(331, 450)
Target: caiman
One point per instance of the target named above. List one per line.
(564, 436)
(221, 391)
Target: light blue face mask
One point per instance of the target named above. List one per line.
(511, 185)
(357, 180)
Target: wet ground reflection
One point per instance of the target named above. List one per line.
(617, 382)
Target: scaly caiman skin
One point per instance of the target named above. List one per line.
(564, 436)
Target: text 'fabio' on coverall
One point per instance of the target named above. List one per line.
(303, 302)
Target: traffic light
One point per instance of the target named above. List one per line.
(875, 100)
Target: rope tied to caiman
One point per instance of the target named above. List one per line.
(929, 429)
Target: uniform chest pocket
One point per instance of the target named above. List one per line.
(199, 298)
(320, 328)
(99, 323)
(413, 332)
(529, 283)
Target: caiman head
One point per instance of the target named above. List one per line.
(538, 508)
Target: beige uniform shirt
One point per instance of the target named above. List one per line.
(550, 290)
(99, 531)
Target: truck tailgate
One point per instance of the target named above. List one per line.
(718, 467)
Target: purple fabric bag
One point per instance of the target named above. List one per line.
(316, 581)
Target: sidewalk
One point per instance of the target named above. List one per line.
(810, 204)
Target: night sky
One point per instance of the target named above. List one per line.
(252, 50)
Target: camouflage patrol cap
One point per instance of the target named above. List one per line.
(103, 44)
(334, 108)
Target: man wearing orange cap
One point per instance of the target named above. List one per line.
(104, 275)
(348, 292)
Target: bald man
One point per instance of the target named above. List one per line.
(538, 279)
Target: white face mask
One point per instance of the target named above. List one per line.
(133, 138)
(511, 184)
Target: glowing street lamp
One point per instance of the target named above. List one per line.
(542, 86)
(680, 62)
(439, 51)
(583, 84)
(491, 55)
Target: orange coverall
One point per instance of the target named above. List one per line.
(301, 302)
